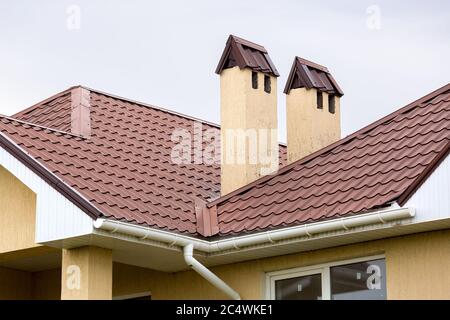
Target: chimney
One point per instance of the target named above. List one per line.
(80, 116)
(312, 109)
(248, 101)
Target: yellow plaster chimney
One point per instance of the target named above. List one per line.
(312, 109)
(248, 98)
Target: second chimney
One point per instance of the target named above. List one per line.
(312, 109)
(248, 99)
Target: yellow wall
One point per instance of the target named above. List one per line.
(420, 268)
(15, 284)
(91, 268)
(47, 284)
(309, 128)
(17, 235)
(243, 107)
(20, 285)
(417, 268)
(17, 214)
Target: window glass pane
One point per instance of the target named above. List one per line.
(300, 288)
(359, 281)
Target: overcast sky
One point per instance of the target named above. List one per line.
(384, 54)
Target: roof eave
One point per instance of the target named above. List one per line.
(48, 176)
(265, 238)
(409, 192)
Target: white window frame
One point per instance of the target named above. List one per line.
(322, 269)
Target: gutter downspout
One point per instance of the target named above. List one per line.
(188, 253)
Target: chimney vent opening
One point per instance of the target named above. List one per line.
(319, 100)
(267, 84)
(254, 80)
(331, 103)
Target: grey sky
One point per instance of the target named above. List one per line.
(165, 52)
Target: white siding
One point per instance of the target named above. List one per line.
(56, 217)
(432, 199)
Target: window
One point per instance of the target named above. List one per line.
(307, 287)
(267, 86)
(331, 103)
(255, 80)
(319, 100)
(358, 279)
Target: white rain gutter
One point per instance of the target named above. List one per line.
(188, 253)
(268, 237)
(236, 243)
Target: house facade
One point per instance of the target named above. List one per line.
(103, 197)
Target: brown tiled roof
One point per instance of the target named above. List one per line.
(124, 169)
(53, 112)
(379, 164)
(307, 74)
(246, 54)
(125, 173)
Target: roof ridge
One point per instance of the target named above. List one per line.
(247, 43)
(143, 104)
(147, 105)
(312, 64)
(41, 127)
(53, 97)
(330, 147)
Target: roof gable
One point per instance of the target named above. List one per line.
(56, 217)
